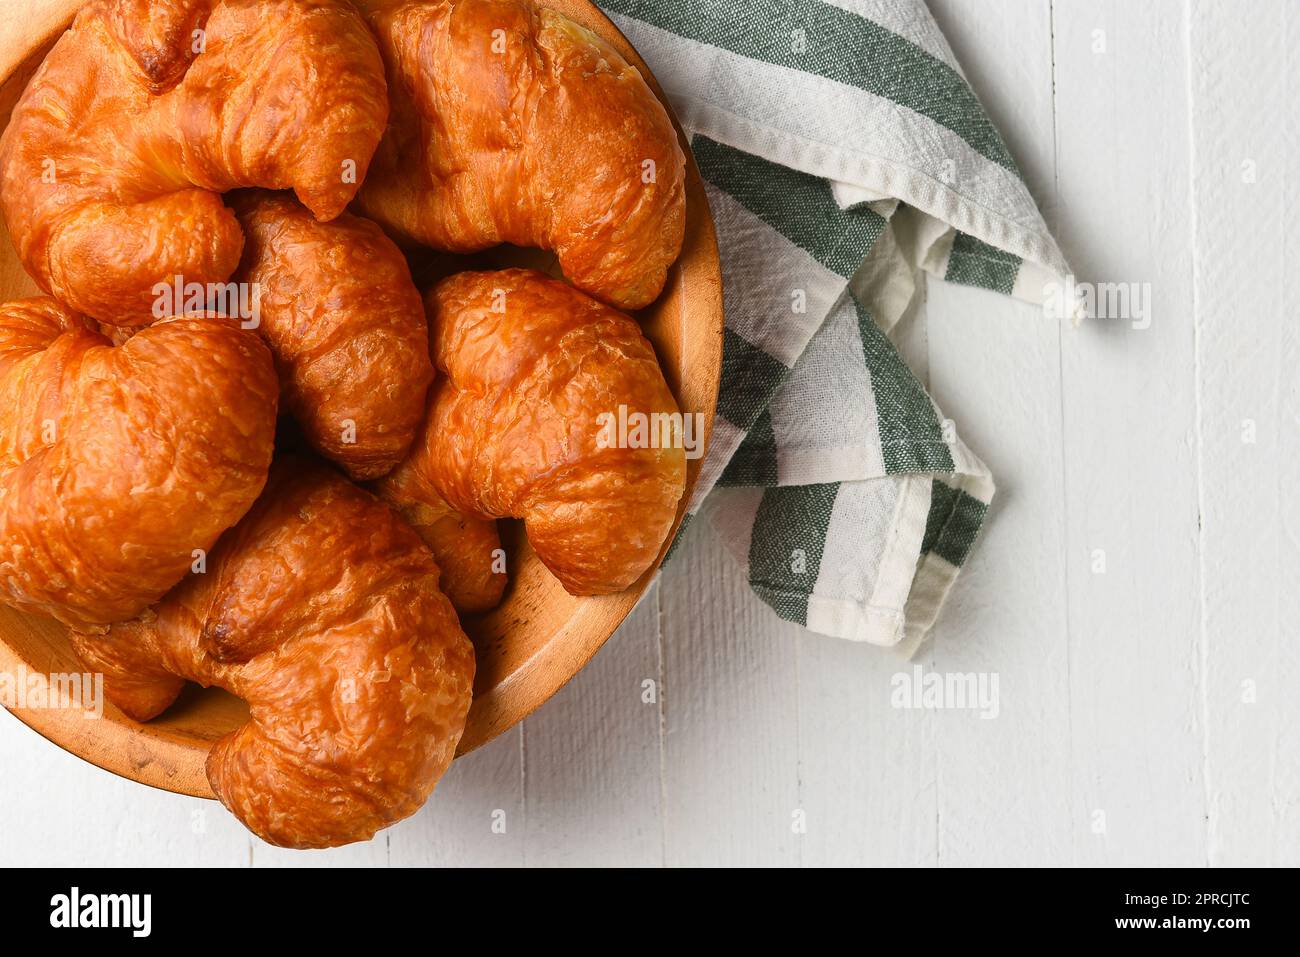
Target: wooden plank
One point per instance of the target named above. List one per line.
(1128, 400)
(59, 811)
(1245, 126)
(1006, 616)
(994, 369)
(593, 755)
(868, 773)
(730, 716)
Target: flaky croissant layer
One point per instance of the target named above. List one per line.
(121, 465)
(467, 548)
(346, 326)
(511, 123)
(322, 610)
(532, 371)
(113, 159)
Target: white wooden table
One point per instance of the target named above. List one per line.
(1148, 712)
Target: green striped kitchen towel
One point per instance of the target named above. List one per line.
(843, 152)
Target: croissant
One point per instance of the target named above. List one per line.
(113, 158)
(346, 326)
(513, 124)
(121, 465)
(468, 550)
(322, 610)
(519, 425)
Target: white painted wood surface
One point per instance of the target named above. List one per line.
(1148, 714)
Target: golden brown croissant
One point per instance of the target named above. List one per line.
(519, 426)
(322, 610)
(513, 124)
(346, 326)
(468, 550)
(112, 161)
(117, 463)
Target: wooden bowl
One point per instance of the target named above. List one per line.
(537, 640)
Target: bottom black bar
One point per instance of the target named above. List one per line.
(333, 905)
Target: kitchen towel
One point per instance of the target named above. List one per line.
(843, 152)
